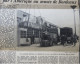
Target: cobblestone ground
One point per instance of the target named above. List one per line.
(36, 47)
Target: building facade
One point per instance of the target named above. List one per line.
(30, 28)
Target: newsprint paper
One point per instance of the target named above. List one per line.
(39, 31)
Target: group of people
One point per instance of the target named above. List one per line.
(69, 40)
(64, 39)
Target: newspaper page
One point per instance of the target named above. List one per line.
(39, 31)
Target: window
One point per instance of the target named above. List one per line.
(29, 32)
(36, 33)
(21, 24)
(24, 15)
(23, 34)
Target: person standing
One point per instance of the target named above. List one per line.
(63, 39)
(74, 40)
(32, 39)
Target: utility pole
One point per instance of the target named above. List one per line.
(73, 7)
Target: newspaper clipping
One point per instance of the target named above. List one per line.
(39, 31)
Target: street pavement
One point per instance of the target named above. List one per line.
(36, 47)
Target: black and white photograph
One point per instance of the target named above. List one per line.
(48, 29)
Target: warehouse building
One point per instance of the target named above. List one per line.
(30, 28)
